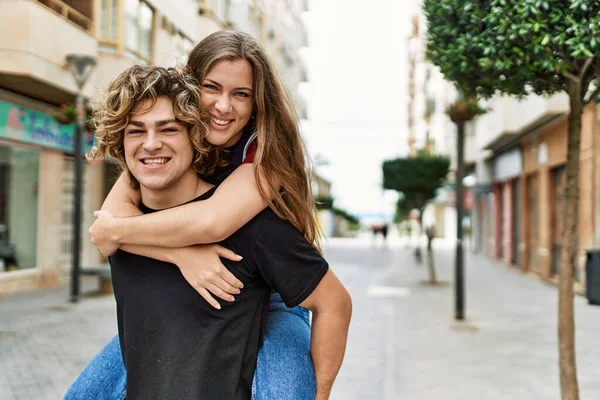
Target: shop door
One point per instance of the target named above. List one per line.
(533, 222)
(559, 180)
(500, 231)
(516, 225)
(66, 225)
(479, 239)
(489, 225)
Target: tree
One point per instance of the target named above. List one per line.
(417, 179)
(519, 48)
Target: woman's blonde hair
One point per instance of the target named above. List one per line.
(281, 156)
(141, 83)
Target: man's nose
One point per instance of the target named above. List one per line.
(223, 104)
(153, 142)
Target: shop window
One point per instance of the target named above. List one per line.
(139, 18)
(126, 26)
(18, 207)
(108, 24)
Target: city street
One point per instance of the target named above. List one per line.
(403, 342)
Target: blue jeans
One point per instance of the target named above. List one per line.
(284, 369)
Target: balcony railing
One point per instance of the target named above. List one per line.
(69, 13)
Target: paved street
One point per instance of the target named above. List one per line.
(403, 342)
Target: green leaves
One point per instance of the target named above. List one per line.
(417, 178)
(507, 46)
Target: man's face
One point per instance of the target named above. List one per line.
(158, 150)
(227, 96)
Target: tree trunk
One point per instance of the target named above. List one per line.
(430, 261)
(570, 247)
(418, 254)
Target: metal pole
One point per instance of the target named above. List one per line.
(76, 270)
(81, 66)
(459, 267)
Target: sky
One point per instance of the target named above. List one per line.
(357, 96)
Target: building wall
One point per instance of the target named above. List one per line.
(543, 154)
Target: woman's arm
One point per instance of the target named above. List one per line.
(332, 308)
(122, 200)
(200, 266)
(234, 203)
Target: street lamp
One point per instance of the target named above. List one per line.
(81, 66)
(464, 109)
(459, 278)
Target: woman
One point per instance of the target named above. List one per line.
(245, 110)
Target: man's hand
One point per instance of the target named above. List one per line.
(201, 267)
(101, 233)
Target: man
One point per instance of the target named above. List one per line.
(174, 344)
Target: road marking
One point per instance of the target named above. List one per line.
(388, 291)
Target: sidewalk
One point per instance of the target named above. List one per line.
(403, 342)
(45, 340)
(507, 350)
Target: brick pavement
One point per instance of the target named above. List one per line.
(507, 350)
(45, 340)
(401, 346)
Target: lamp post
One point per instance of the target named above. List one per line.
(459, 279)
(464, 109)
(81, 66)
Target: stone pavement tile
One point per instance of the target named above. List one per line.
(51, 340)
(402, 347)
(360, 376)
(512, 355)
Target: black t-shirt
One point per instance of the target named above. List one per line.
(175, 345)
(236, 157)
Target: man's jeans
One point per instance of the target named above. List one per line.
(284, 370)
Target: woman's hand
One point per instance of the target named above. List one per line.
(101, 233)
(201, 267)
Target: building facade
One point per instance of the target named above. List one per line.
(37, 144)
(520, 174)
(429, 128)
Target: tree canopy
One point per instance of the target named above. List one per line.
(417, 178)
(516, 47)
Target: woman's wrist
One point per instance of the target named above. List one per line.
(172, 255)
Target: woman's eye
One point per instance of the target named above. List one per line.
(135, 132)
(209, 86)
(170, 130)
(242, 94)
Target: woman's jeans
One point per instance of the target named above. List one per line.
(284, 370)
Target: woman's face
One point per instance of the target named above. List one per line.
(227, 96)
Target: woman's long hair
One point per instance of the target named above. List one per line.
(281, 156)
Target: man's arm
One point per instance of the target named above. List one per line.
(331, 305)
(234, 203)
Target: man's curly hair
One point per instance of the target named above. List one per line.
(136, 85)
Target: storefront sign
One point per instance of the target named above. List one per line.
(508, 165)
(29, 126)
